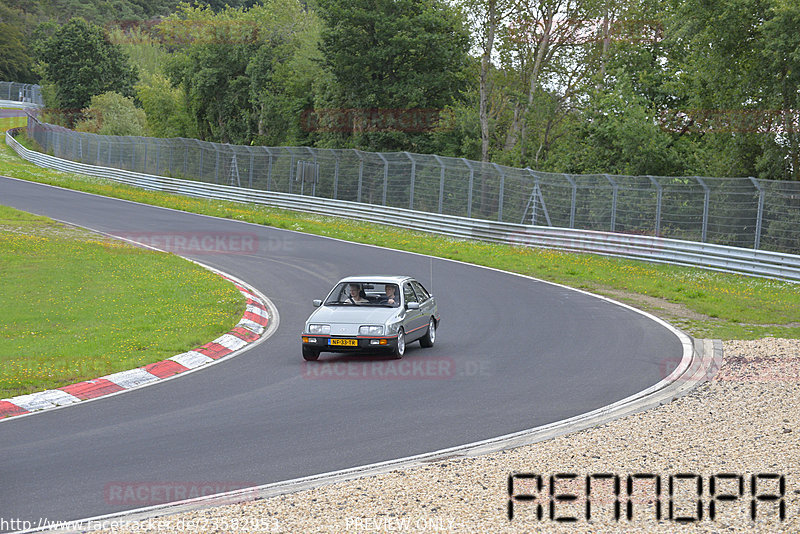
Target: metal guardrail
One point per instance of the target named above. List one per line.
(653, 249)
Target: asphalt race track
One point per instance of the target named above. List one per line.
(511, 354)
(6, 113)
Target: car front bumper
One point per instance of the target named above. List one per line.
(361, 344)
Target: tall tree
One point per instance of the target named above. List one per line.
(246, 73)
(16, 63)
(740, 74)
(781, 53)
(486, 18)
(546, 47)
(80, 62)
(403, 60)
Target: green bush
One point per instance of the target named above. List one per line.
(113, 114)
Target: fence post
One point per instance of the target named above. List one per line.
(336, 175)
(385, 176)
(316, 172)
(202, 153)
(706, 198)
(360, 173)
(413, 179)
(252, 162)
(574, 201)
(658, 205)
(533, 196)
(500, 194)
(537, 191)
(615, 188)
(269, 168)
(171, 152)
(441, 182)
(216, 165)
(291, 170)
(144, 161)
(471, 182)
(760, 215)
(185, 155)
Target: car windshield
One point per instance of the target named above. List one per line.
(364, 294)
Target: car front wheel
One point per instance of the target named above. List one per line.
(430, 336)
(400, 349)
(310, 354)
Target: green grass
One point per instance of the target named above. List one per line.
(6, 123)
(77, 306)
(704, 303)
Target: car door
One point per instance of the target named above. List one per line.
(415, 320)
(426, 303)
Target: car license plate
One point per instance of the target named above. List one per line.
(345, 342)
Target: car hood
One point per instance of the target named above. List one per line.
(352, 315)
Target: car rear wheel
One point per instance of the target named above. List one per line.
(310, 354)
(400, 349)
(430, 336)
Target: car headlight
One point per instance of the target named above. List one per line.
(370, 330)
(319, 329)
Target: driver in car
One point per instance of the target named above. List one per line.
(391, 296)
(355, 295)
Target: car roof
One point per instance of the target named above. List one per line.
(377, 279)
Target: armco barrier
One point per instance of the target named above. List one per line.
(653, 249)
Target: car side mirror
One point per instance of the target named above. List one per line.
(317, 303)
(412, 306)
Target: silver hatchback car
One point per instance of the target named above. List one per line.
(370, 314)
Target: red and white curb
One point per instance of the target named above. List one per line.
(250, 328)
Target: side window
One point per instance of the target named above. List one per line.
(421, 292)
(408, 293)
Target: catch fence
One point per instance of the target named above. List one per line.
(741, 212)
(21, 92)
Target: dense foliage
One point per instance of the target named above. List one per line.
(660, 87)
(393, 61)
(78, 62)
(113, 114)
(246, 74)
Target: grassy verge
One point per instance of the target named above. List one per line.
(77, 306)
(7, 123)
(704, 303)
